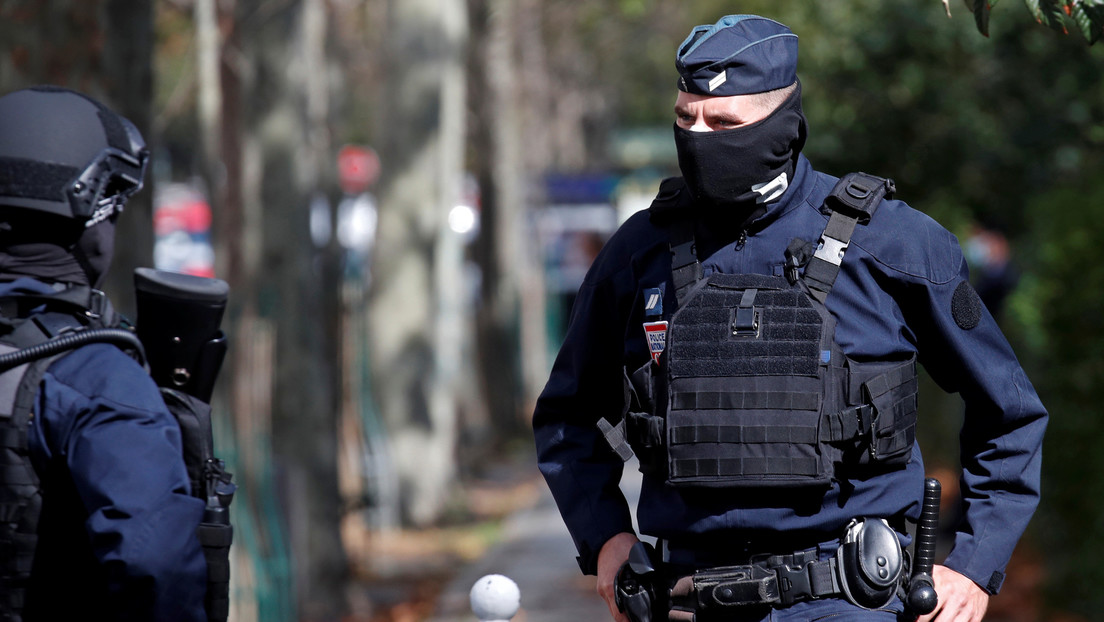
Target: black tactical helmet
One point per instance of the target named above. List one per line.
(66, 154)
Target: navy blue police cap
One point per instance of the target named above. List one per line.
(739, 55)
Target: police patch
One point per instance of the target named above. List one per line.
(656, 332)
(966, 306)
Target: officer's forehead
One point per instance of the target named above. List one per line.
(739, 55)
(731, 107)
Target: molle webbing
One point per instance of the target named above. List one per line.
(894, 396)
(885, 423)
(786, 341)
(764, 400)
(744, 399)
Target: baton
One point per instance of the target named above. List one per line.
(922, 598)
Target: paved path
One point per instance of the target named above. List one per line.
(536, 551)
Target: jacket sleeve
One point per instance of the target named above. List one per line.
(582, 471)
(964, 351)
(123, 451)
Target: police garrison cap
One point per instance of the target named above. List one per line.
(739, 55)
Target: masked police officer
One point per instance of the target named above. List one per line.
(753, 339)
(97, 521)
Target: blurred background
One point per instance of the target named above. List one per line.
(404, 195)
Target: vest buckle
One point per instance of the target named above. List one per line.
(745, 322)
(831, 250)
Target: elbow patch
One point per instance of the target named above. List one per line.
(966, 306)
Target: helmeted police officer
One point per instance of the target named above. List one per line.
(97, 519)
(753, 339)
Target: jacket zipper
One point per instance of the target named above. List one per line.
(741, 240)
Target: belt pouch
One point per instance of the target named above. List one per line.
(735, 586)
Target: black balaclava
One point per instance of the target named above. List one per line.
(55, 250)
(746, 166)
(95, 249)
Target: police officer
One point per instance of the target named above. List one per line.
(773, 462)
(109, 501)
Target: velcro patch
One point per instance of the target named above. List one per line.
(966, 306)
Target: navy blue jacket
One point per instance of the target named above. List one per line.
(117, 534)
(892, 298)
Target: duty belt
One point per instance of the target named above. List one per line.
(778, 580)
(867, 570)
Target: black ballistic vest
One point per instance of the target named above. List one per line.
(752, 390)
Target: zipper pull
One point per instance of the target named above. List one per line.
(741, 240)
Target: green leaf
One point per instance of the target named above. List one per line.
(1089, 17)
(981, 15)
(1033, 6)
(1048, 13)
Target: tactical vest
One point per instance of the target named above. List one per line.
(751, 390)
(73, 318)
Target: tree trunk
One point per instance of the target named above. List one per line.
(128, 77)
(416, 268)
(496, 137)
(297, 288)
(104, 49)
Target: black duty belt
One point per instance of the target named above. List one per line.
(867, 570)
(778, 580)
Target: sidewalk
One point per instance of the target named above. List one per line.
(536, 551)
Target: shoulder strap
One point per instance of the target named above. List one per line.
(76, 299)
(672, 200)
(852, 201)
(686, 269)
(670, 210)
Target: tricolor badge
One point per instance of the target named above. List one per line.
(656, 333)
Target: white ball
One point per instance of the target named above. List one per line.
(495, 598)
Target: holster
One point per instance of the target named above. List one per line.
(871, 563)
(635, 588)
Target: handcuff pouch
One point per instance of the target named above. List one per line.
(871, 563)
